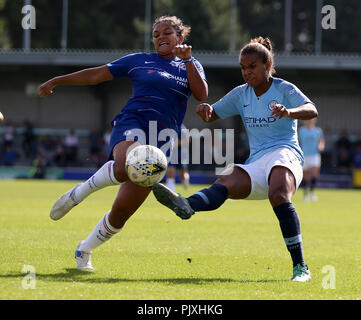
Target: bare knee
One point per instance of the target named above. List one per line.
(279, 196)
(119, 171)
(282, 186)
(119, 154)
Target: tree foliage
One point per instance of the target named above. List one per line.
(112, 24)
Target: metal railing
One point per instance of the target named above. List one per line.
(223, 59)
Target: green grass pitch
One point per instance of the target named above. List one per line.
(234, 253)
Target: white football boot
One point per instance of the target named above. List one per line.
(301, 274)
(314, 198)
(83, 259)
(307, 197)
(63, 205)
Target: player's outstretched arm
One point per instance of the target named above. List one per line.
(88, 76)
(206, 112)
(305, 112)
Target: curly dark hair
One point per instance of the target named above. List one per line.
(181, 28)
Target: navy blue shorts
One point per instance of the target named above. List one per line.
(136, 127)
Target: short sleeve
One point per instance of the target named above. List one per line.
(228, 105)
(295, 96)
(200, 69)
(120, 67)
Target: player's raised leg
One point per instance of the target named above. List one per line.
(110, 174)
(234, 184)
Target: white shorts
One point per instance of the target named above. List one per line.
(312, 161)
(260, 169)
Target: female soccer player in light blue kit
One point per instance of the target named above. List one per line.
(269, 108)
(162, 82)
(312, 143)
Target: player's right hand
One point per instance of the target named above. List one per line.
(205, 111)
(46, 88)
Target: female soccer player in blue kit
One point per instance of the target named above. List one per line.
(269, 108)
(312, 144)
(162, 84)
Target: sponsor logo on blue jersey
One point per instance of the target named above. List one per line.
(252, 122)
(178, 64)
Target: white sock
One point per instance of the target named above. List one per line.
(102, 232)
(171, 183)
(104, 177)
(186, 180)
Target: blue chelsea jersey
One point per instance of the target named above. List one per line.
(265, 133)
(160, 86)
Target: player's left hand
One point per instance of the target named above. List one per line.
(280, 111)
(183, 51)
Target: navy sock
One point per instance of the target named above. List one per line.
(313, 183)
(208, 199)
(291, 231)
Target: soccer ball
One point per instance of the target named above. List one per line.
(146, 165)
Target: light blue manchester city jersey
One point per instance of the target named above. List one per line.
(309, 139)
(265, 133)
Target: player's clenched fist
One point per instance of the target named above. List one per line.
(183, 51)
(280, 111)
(205, 111)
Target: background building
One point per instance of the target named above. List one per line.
(320, 57)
